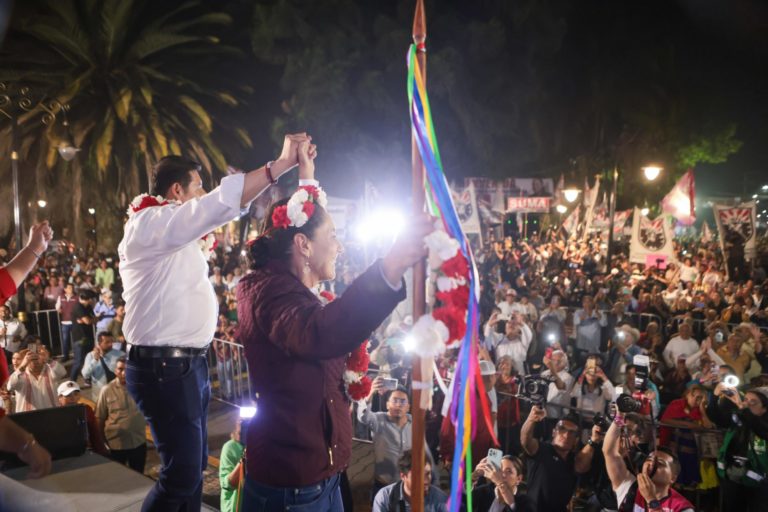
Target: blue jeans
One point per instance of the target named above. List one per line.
(80, 349)
(173, 395)
(324, 496)
(66, 340)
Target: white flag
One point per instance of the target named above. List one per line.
(706, 233)
(736, 226)
(466, 206)
(651, 240)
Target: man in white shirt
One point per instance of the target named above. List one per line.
(12, 332)
(33, 382)
(681, 345)
(171, 311)
(561, 382)
(513, 343)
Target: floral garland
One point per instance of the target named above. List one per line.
(446, 325)
(207, 243)
(299, 208)
(357, 384)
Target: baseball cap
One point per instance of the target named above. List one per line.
(487, 368)
(68, 387)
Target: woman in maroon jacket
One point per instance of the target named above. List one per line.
(296, 346)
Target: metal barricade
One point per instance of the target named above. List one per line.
(229, 375)
(45, 324)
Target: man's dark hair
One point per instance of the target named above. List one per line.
(86, 295)
(172, 169)
(573, 418)
(102, 334)
(122, 359)
(405, 462)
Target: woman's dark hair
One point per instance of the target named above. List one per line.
(275, 243)
(517, 462)
(172, 169)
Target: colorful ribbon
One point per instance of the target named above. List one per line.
(440, 204)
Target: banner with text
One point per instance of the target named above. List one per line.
(528, 204)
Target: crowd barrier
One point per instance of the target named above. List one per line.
(46, 324)
(228, 370)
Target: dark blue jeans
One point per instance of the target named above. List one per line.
(66, 330)
(80, 349)
(324, 496)
(173, 394)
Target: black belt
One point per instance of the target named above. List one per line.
(136, 352)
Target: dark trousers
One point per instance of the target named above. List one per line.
(324, 496)
(173, 394)
(66, 341)
(135, 458)
(80, 348)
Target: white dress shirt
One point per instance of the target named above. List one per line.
(677, 347)
(169, 300)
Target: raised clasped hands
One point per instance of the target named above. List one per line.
(289, 156)
(306, 152)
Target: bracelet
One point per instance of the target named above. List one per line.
(268, 167)
(619, 420)
(30, 443)
(38, 256)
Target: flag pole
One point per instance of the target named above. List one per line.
(419, 281)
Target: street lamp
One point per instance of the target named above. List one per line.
(13, 105)
(644, 211)
(652, 172)
(42, 203)
(92, 211)
(571, 194)
(561, 209)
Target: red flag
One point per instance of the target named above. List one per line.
(680, 200)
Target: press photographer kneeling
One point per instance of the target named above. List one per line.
(651, 489)
(742, 463)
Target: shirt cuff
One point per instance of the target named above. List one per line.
(231, 191)
(395, 288)
(309, 183)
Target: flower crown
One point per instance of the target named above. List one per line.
(300, 207)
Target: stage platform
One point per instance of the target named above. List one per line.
(89, 483)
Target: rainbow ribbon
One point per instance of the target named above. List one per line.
(440, 204)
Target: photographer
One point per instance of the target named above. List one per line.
(651, 489)
(593, 391)
(742, 463)
(513, 341)
(497, 488)
(553, 467)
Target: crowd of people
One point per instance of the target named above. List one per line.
(563, 336)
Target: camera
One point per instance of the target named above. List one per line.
(534, 389)
(625, 403)
(601, 422)
(642, 371)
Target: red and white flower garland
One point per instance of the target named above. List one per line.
(357, 384)
(299, 208)
(446, 325)
(207, 243)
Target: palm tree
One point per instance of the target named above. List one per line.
(140, 82)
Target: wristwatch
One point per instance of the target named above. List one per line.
(592, 443)
(654, 505)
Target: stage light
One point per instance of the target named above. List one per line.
(382, 225)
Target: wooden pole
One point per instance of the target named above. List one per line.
(419, 282)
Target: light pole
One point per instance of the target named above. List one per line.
(17, 105)
(651, 172)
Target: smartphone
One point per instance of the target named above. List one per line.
(390, 384)
(591, 365)
(33, 348)
(495, 456)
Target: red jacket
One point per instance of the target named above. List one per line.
(296, 349)
(7, 286)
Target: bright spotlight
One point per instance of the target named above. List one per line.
(754, 196)
(765, 187)
(731, 381)
(247, 412)
(380, 225)
(42, 203)
(409, 343)
(561, 208)
(92, 211)
(644, 212)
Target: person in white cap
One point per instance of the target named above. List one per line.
(69, 394)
